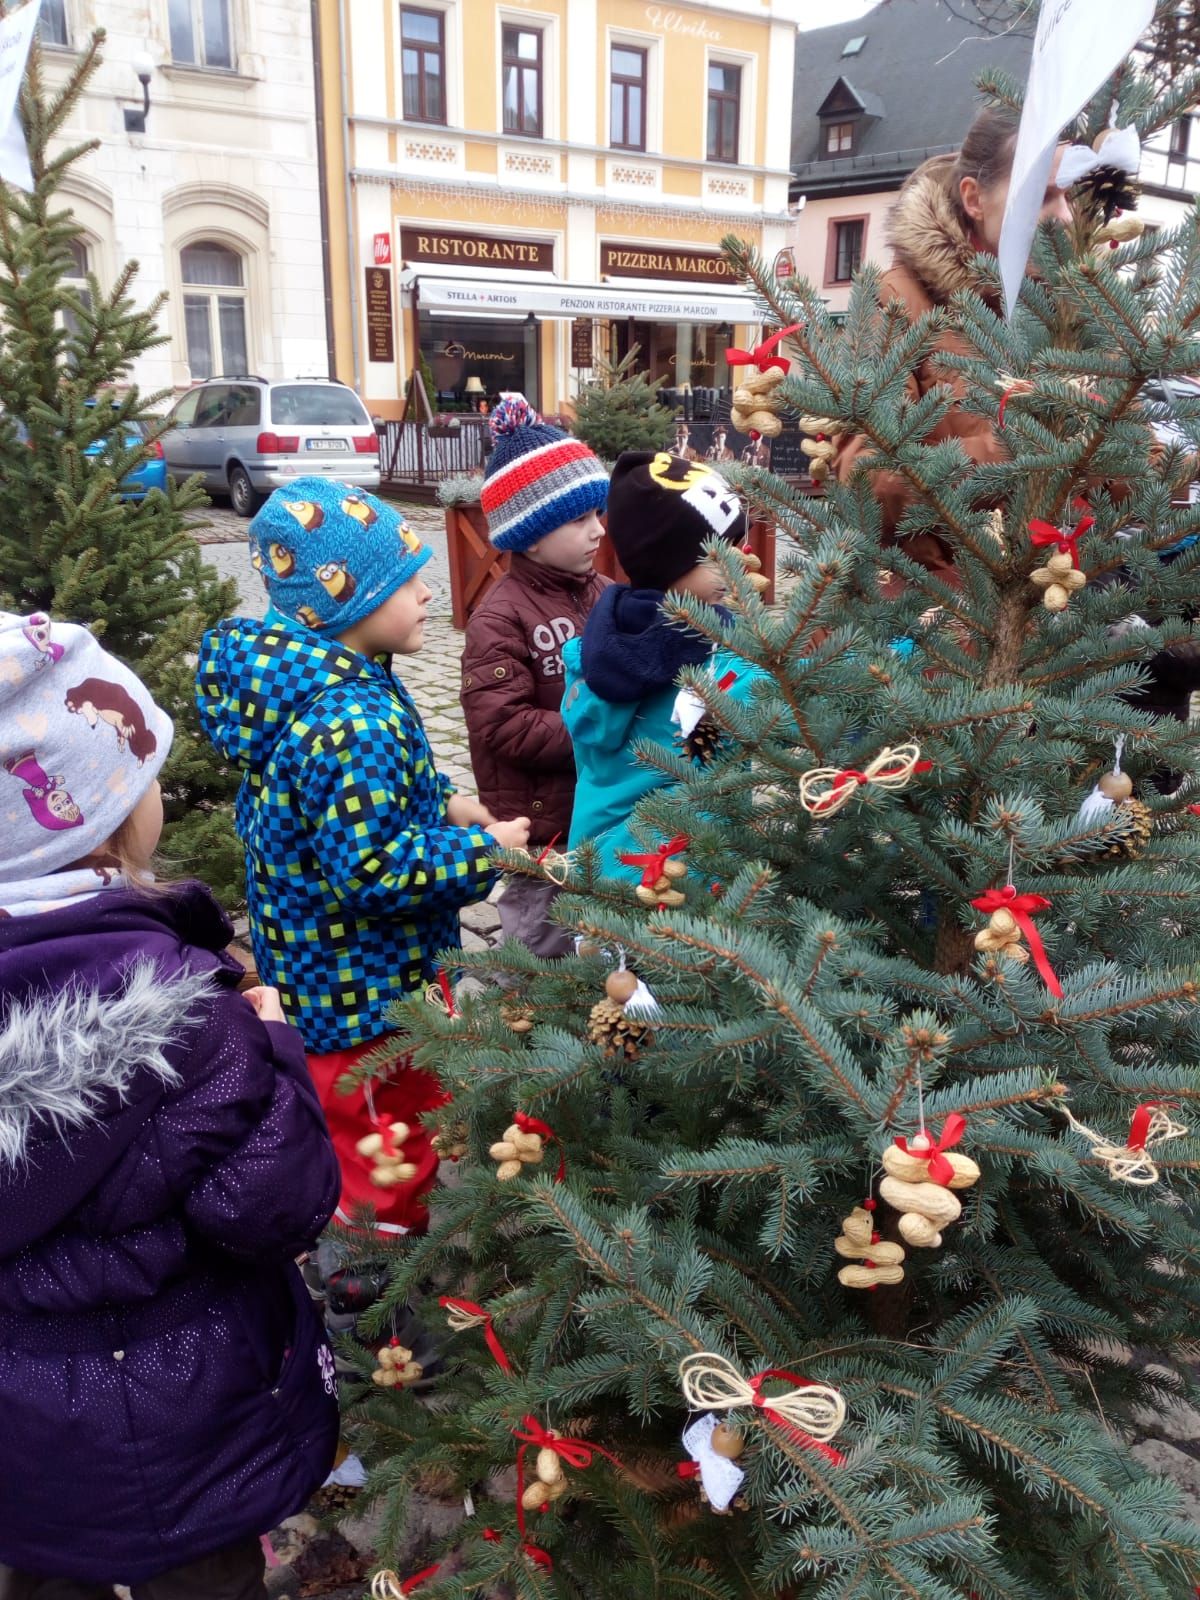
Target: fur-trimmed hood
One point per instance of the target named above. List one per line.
(65, 1056)
(928, 236)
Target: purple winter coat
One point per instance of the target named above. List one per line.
(165, 1383)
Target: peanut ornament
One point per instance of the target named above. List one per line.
(1002, 937)
(516, 1150)
(819, 444)
(753, 566)
(396, 1366)
(1061, 577)
(661, 870)
(920, 1175)
(549, 1481)
(756, 404)
(382, 1149)
(879, 1258)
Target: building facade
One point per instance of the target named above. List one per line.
(214, 192)
(515, 185)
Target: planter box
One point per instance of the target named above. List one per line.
(475, 566)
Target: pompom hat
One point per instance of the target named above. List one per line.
(537, 477)
(80, 743)
(330, 554)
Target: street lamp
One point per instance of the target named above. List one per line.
(135, 117)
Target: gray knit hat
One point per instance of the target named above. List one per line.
(81, 741)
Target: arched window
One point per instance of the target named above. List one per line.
(214, 310)
(75, 277)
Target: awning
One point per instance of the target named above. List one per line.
(515, 296)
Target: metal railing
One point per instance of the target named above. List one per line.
(418, 455)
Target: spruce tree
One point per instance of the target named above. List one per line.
(821, 993)
(68, 544)
(620, 410)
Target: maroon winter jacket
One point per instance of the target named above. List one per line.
(512, 685)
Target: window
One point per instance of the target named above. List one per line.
(317, 405)
(627, 114)
(839, 138)
(184, 413)
(214, 310)
(724, 111)
(52, 24)
(853, 47)
(75, 278)
(1180, 136)
(423, 51)
(522, 93)
(200, 33)
(847, 249)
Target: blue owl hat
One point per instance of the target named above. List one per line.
(330, 554)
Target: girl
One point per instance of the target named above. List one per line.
(166, 1388)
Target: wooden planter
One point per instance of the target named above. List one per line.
(475, 565)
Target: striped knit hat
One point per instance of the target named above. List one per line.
(537, 477)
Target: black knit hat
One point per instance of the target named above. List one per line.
(661, 509)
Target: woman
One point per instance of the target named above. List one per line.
(948, 212)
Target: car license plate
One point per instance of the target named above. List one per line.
(327, 444)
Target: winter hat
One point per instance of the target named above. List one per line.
(537, 478)
(80, 743)
(330, 554)
(661, 509)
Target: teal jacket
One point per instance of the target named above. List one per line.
(610, 780)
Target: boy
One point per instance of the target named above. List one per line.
(358, 855)
(621, 675)
(542, 495)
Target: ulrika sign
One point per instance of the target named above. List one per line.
(475, 250)
(647, 261)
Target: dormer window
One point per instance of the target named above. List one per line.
(839, 139)
(846, 116)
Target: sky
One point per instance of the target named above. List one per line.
(827, 12)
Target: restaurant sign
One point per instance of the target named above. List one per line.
(475, 250)
(647, 261)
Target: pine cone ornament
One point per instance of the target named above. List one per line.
(617, 1033)
(1136, 821)
(1107, 191)
(701, 744)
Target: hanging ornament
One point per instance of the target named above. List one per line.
(554, 1452)
(860, 1242)
(462, 1315)
(517, 1018)
(920, 1173)
(699, 733)
(1104, 178)
(450, 1143)
(715, 1447)
(550, 1482)
(809, 1413)
(1110, 790)
(754, 572)
(440, 995)
(756, 401)
(1011, 916)
(1123, 229)
(615, 1023)
(1128, 823)
(660, 870)
(395, 1366)
(382, 1150)
(523, 1145)
(818, 443)
(1061, 576)
(1131, 1162)
(825, 790)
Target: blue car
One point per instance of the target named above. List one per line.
(151, 474)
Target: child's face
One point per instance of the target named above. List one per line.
(704, 582)
(397, 627)
(571, 548)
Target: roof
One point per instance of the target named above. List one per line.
(915, 76)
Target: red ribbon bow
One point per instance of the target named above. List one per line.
(652, 865)
(528, 1124)
(1022, 907)
(804, 1440)
(411, 1585)
(450, 1302)
(1041, 533)
(940, 1170)
(688, 1469)
(1139, 1128)
(850, 775)
(763, 355)
(577, 1453)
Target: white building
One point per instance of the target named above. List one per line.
(217, 199)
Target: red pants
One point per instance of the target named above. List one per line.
(401, 1097)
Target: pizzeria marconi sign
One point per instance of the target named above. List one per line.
(476, 250)
(644, 261)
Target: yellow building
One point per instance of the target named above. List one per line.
(514, 184)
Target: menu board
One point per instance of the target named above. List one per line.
(381, 344)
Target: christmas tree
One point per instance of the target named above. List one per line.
(897, 1172)
(72, 428)
(620, 410)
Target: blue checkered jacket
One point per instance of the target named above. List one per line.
(354, 876)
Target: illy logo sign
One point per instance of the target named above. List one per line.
(383, 249)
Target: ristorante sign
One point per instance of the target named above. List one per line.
(645, 261)
(475, 250)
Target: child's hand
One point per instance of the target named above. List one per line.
(512, 835)
(266, 1003)
(466, 811)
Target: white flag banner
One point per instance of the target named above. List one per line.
(16, 36)
(1079, 44)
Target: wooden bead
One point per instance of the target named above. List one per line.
(620, 986)
(727, 1441)
(1116, 785)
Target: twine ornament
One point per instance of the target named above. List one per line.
(825, 790)
(440, 995)
(811, 1413)
(555, 865)
(1131, 1162)
(463, 1315)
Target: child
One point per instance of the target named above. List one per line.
(543, 494)
(621, 676)
(166, 1388)
(358, 854)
